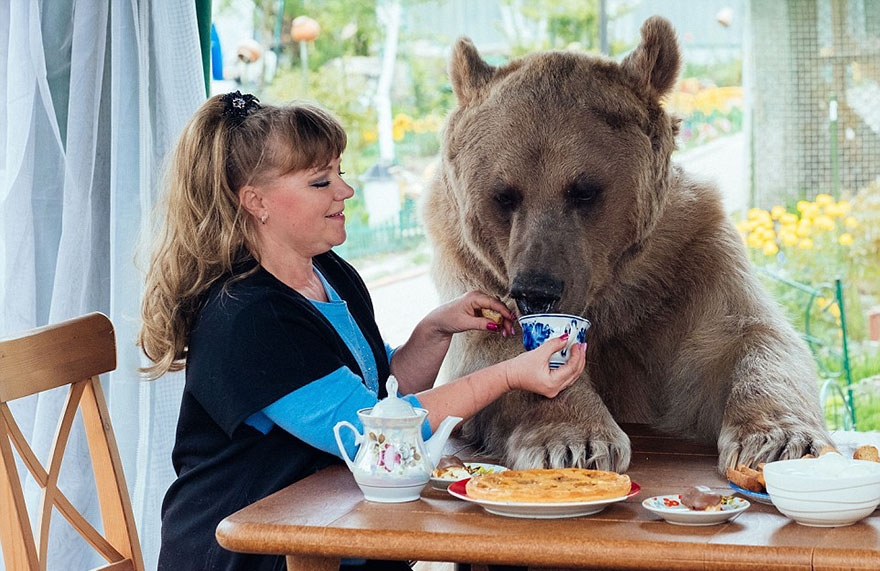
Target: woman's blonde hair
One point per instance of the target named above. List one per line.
(205, 229)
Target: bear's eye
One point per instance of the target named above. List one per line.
(507, 198)
(584, 193)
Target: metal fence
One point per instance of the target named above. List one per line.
(823, 327)
(405, 233)
(812, 76)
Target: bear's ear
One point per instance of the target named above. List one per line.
(467, 70)
(654, 64)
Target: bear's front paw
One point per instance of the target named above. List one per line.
(751, 444)
(566, 445)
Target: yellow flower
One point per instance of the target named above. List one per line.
(370, 136)
(824, 222)
(803, 205)
(834, 210)
(810, 210)
(787, 228)
(823, 200)
(404, 121)
(398, 132)
(805, 244)
(754, 240)
(788, 218)
(758, 214)
(788, 238)
(843, 206)
(845, 239)
(851, 222)
(804, 227)
(834, 310)
(777, 212)
(770, 248)
(766, 233)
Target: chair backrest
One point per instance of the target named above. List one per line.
(71, 353)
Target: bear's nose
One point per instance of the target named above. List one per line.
(536, 292)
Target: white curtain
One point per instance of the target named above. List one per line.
(93, 95)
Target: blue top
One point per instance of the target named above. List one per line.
(307, 413)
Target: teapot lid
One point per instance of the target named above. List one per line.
(393, 406)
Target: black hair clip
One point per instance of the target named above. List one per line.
(239, 105)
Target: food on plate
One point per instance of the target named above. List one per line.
(549, 485)
(449, 462)
(701, 498)
(492, 315)
(866, 452)
(451, 468)
(747, 478)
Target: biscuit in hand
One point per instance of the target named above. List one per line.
(492, 315)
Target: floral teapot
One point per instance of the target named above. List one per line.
(393, 462)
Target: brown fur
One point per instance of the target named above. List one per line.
(556, 190)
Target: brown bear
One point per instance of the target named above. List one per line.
(556, 192)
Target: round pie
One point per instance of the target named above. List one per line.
(549, 485)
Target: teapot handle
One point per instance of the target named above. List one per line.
(358, 437)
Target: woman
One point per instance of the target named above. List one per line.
(277, 332)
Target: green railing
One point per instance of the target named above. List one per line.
(364, 240)
(824, 329)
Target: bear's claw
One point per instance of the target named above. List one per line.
(569, 445)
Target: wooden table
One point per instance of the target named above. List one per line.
(318, 520)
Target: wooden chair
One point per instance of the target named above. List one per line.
(71, 353)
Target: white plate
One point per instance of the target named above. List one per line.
(760, 497)
(539, 510)
(670, 509)
(472, 467)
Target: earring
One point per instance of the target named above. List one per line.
(263, 217)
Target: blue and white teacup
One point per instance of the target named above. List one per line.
(539, 327)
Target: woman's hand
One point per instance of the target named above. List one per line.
(417, 362)
(530, 371)
(465, 314)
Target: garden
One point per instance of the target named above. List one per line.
(821, 260)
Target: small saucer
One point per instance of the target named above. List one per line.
(671, 509)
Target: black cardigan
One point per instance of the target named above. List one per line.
(254, 341)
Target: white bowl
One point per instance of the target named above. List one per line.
(829, 491)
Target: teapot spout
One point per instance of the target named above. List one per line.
(435, 444)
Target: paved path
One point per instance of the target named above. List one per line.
(725, 162)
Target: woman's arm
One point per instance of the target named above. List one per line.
(417, 362)
(528, 371)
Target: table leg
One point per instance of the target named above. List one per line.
(311, 563)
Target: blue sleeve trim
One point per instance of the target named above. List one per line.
(389, 351)
(260, 421)
(311, 412)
